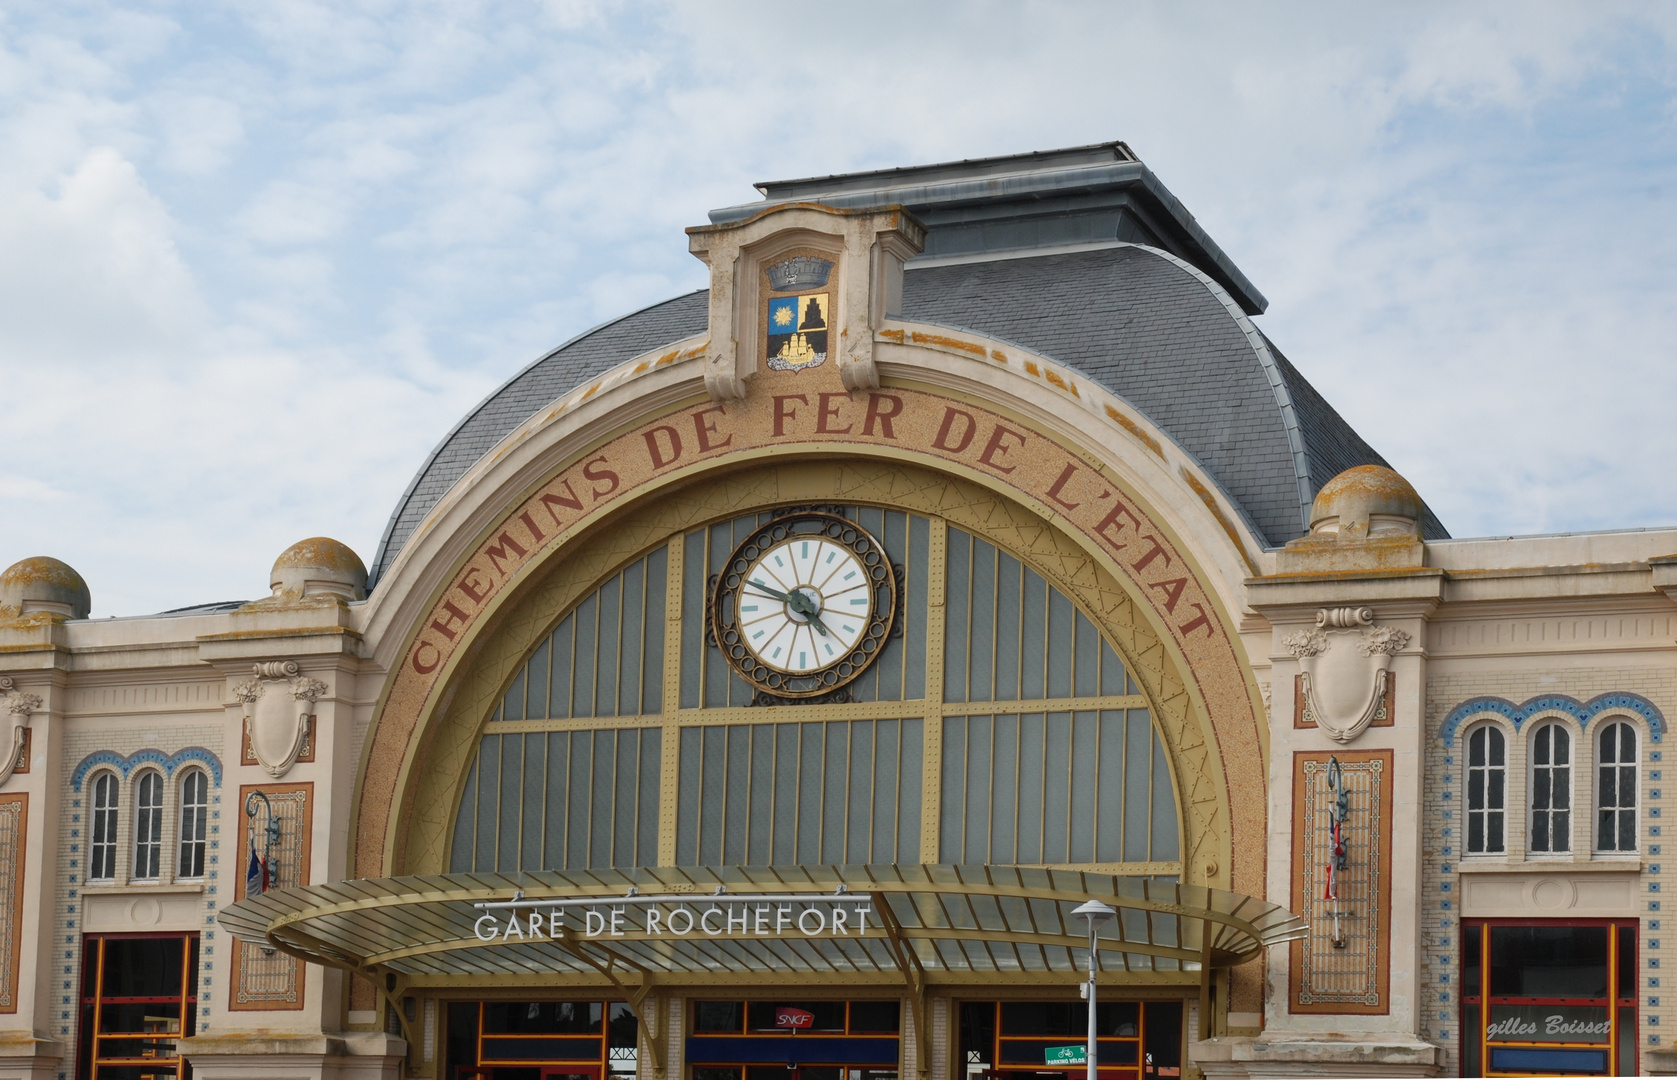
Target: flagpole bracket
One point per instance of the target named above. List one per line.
(259, 876)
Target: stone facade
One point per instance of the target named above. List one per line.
(1349, 662)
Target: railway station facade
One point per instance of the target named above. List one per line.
(753, 687)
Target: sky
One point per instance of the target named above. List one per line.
(256, 259)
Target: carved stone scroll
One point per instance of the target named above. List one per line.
(279, 711)
(18, 708)
(1346, 664)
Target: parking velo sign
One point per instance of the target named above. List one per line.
(1066, 1055)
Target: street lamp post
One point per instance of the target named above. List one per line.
(1097, 913)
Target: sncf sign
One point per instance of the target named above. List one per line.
(787, 1017)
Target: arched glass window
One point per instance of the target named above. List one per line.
(1487, 788)
(996, 725)
(194, 821)
(1551, 789)
(101, 853)
(148, 826)
(1616, 788)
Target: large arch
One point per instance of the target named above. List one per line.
(452, 737)
(1067, 475)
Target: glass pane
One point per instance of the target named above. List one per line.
(542, 1017)
(1627, 962)
(718, 1017)
(1549, 961)
(875, 1016)
(142, 967)
(1471, 970)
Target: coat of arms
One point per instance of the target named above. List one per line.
(798, 324)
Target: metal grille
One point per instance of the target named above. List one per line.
(1056, 788)
(11, 871)
(836, 792)
(603, 659)
(560, 800)
(275, 976)
(1346, 973)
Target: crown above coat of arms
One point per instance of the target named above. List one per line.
(799, 272)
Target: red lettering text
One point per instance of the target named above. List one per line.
(1060, 485)
(1111, 519)
(783, 412)
(656, 451)
(829, 411)
(997, 448)
(531, 525)
(707, 427)
(1172, 590)
(598, 476)
(477, 590)
(551, 499)
(1157, 550)
(421, 666)
(880, 414)
(498, 552)
(942, 440)
(441, 624)
(1198, 622)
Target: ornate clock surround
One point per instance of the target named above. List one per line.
(774, 685)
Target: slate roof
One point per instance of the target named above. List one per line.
(1134, 319)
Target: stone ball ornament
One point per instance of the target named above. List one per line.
(44, 584)
(1368, 500)
(318, 566)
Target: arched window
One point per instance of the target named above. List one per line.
(101, 853)
(148, 826)
(195, 812)
(1487, 790)
(999, 725)
(1616, 788)
(1551, 789)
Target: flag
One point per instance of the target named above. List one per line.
(256, 874)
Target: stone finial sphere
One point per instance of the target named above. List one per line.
(1368, 500)
(45, 584)
(319, 566)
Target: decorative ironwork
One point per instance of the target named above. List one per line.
(13, 814)
(267, 978)
(1341, 961)
(803, 605)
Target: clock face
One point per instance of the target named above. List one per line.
(804, 605)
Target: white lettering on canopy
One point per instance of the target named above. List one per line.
(831, 915)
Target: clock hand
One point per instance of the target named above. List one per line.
(772, 593)
(804, 606)
(798, 602)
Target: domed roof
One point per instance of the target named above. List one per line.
(1368, 498)
(45, 584)
(1140, 306)
(319, 566)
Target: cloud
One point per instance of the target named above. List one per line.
(257, 258)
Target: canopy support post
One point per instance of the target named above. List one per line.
(637, 995)
(1205, 981)
(908, 962)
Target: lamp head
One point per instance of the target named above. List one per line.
(1095, 911)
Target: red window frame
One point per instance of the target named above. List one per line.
(89, 1060)
(1478, 997)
